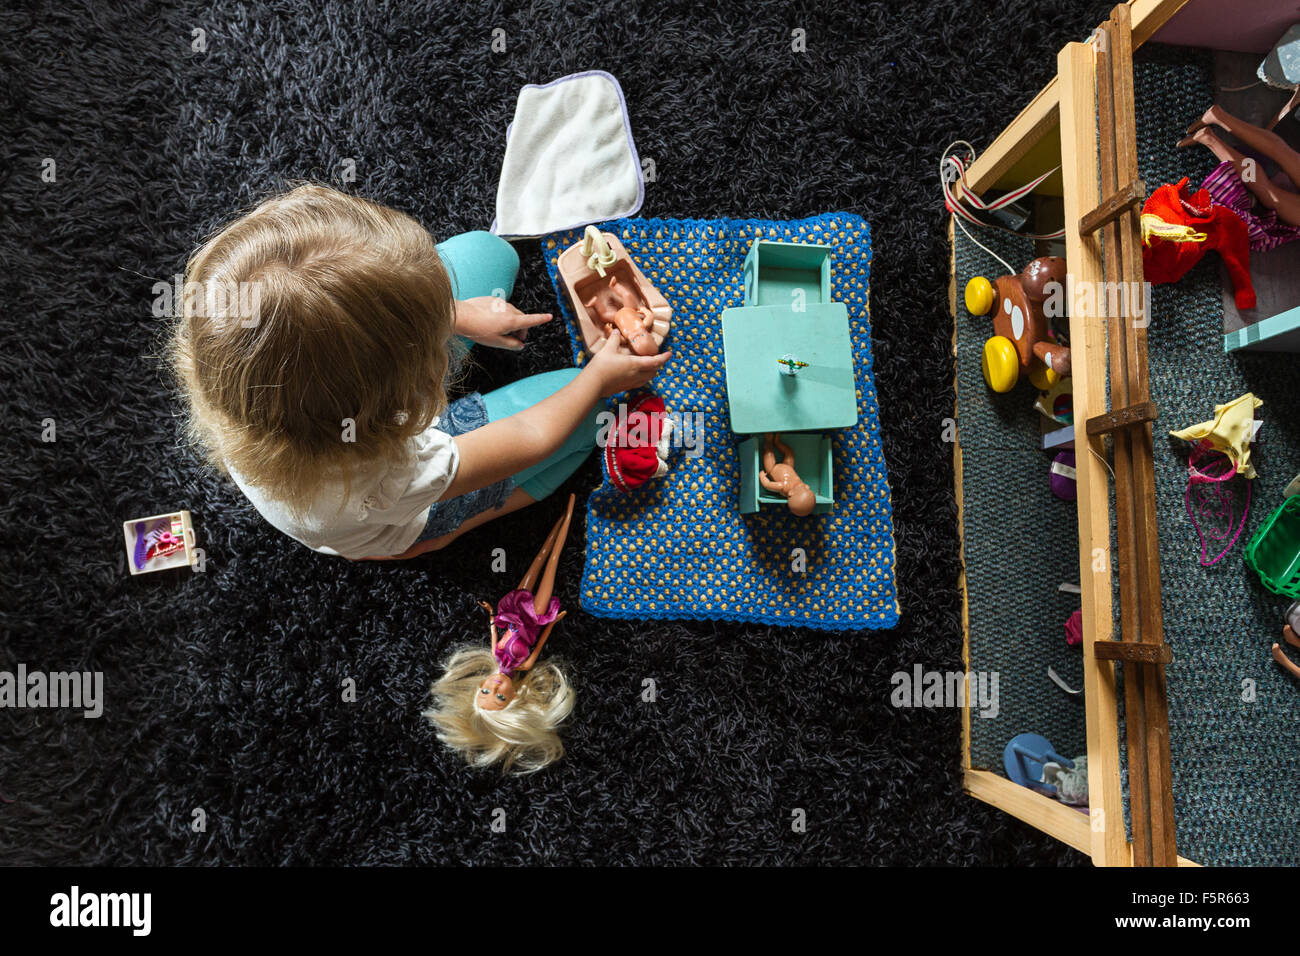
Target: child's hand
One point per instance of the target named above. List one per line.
(619, 370)
(489, 320)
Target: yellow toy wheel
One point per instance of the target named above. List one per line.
(1001, 364)
(1043, 378)
(979, 296)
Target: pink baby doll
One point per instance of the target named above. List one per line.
(780, 478)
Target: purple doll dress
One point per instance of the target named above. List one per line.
(522, 626)
(1264, 228)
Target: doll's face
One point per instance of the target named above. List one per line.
(496, 692)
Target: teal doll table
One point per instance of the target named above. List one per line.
(762, 395)
(789, 367)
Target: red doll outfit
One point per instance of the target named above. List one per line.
(1179, 227)
(633, 454)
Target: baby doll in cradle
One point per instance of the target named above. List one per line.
(619, 305)
(496, 704)
(781, 478)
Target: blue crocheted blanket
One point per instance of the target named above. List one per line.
(678, 547)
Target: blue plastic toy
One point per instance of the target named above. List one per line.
(1024, 759)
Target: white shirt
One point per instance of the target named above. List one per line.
(384, 510)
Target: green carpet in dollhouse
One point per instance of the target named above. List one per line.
(678, 547)
(1021, 542)
(1233, 714)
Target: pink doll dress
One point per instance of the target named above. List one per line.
(522, 626)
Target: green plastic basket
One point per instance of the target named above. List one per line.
(1274, 551)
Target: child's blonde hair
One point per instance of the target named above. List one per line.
(345, 355)
(523, 735)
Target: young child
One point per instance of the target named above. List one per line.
(315, 340)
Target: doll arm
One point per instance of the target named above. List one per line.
(492, 623)
(1285, 661)
(769, 484)
(541, 642)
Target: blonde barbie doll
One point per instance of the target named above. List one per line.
(496, 704)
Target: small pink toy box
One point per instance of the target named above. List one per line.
(159, 543)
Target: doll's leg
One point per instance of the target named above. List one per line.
(1283, 113)
(529, 580)
(546, 587)
(1285, 204)
(1290, 636)
(1285, 661)
(1261, 140)
(787, 453)
(769, 454)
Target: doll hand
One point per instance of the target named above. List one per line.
(489, 320)
(485, 606)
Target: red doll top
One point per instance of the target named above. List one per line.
(1179, 227)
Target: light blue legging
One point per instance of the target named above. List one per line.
(480, 264)
(483, 264)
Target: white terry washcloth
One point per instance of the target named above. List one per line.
(570, 159)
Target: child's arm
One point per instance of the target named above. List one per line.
(503, 448)
(489, 320)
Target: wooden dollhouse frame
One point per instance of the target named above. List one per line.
(1087, 113)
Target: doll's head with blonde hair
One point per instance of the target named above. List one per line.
(314, 312)
(523, 735)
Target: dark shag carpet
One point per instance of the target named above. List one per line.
(224, 688)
